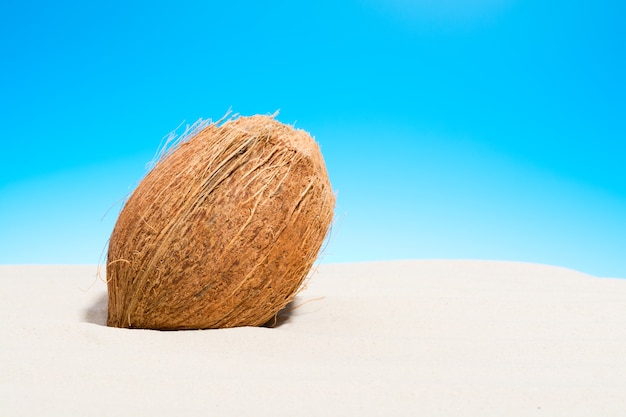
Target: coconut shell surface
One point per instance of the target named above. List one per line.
(222, 231)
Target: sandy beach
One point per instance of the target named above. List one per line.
(403, 338)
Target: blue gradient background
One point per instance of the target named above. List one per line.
(485, 129)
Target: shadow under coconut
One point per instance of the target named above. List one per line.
(283, 316)
(97, 313)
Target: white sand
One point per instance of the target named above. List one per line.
(388, 339)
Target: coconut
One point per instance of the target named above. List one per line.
(223, 231)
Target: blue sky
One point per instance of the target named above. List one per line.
(457, 129)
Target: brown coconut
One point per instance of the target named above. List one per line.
(222, 231)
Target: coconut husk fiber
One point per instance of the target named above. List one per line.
(223, 230)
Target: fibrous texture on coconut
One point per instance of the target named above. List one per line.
(223, 231)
